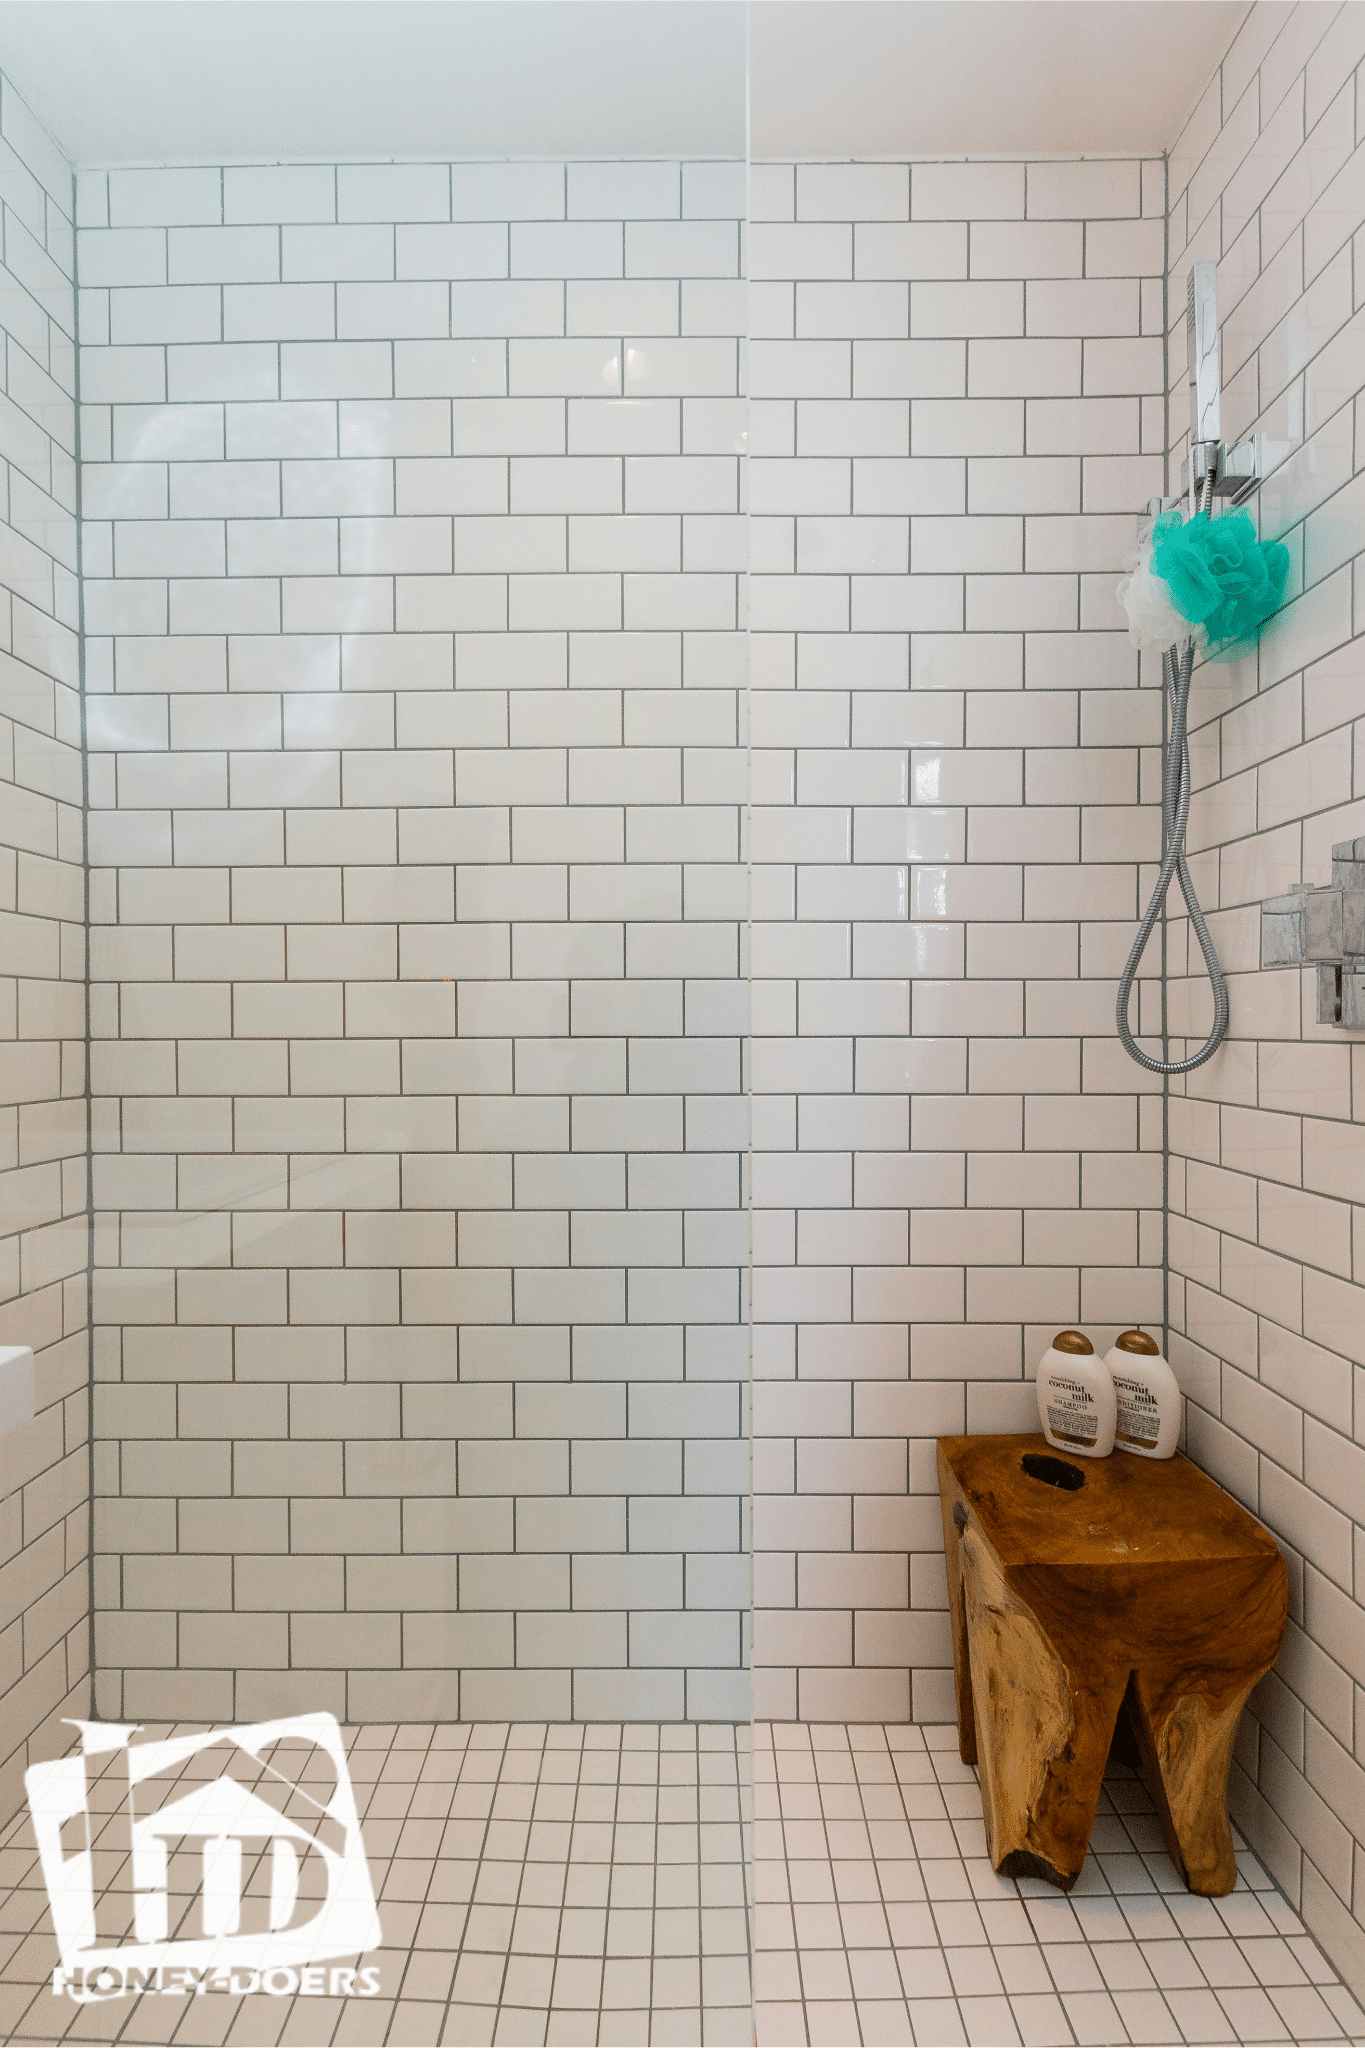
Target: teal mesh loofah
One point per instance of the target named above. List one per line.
(1220, 576)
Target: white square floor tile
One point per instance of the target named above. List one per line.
(622, 1932)
(1129, 1956)
(496, 1929)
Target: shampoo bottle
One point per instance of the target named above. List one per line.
(1076, 1403)
(1148, 1396)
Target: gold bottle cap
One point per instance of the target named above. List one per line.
(1139, 1341)
(1075, 1342)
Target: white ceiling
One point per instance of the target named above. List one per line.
(209, 81)
(906, 78)
(137, 81)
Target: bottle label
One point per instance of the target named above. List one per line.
(1071, 1412)
(1139, 1420)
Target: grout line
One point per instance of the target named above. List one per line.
(473, 1896)
(1165, 719)
(85, 938)
(435, 1861)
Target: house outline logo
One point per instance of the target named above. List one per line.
(218, 1815)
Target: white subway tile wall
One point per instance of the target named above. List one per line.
(414, 550)
(1268, 1163)
(414, 543)
(44, 1234)
(956, 378)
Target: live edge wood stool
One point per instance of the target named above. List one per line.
(1087, 1593)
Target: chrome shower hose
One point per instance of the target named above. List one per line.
(1177, 669)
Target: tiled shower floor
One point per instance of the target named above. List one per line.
(880, 1919)
(586, 1884)
(571, 1883)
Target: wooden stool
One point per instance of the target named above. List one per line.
(1090, 1592)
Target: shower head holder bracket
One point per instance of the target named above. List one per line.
(1235, 473)
(1324, 927)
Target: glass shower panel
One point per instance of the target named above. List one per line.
(417, 680)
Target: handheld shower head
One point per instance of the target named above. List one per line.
(1212, 471)
(1201, 337)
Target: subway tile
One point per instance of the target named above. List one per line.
(323, 489)
(846, 427)
(615, 191)
(403, 426)
(1082, 426)
(606, 306)
(714, 190)
(392, 310)
(687, 248)
(215, 489)
(1128, 248)
(626, 426)
(513, 426)
(1072, 190)
(853, 192)
(227, 255)
(908, 369)
(1090, 306)
(279, 312)
(555, 483)
(461, 250)
(916, 249)
(337, 369)
(686, 368)
(779, 251)
(965, 427)
(853, 310)
(966, 309)
(165, 313)
(411, 192)
(1023, 369)
(332, 253)
(507, 191)
(279, 193)
(495, 310)
(164, 197)
(467, 368)
(967, 191)
(563, 249)
(586, 368)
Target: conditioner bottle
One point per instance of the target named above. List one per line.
(1148, 1397)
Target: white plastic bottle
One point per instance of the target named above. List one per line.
(1076, 1403)
(1148, 1396)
